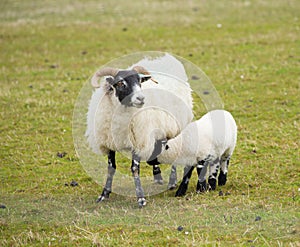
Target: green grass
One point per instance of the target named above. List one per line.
(48, 51)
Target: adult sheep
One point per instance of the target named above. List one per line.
(206, 143)
(130, 111)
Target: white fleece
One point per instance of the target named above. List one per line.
(212, 136)
(112, 126)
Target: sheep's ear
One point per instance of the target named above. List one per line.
(110, 80)
(145, 78)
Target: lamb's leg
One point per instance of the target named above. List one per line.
(111, 169)
(173, 178)
(201, 171)
(156, 171)
(213, 172)
(154, 162)
(188, 170)
(135, 169)
(224, 170)
(157, 175)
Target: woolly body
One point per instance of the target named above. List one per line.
(206, 143)
(213, 136)
(112, 126)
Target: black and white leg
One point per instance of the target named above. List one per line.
(111, 169)
(157, 174)
(188, 170)
(201, 171)
(156, 171)
(173, 178)
(158, 145)
(135, 169)
(224, 170)
(213, 173)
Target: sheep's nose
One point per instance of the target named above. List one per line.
(141, 98)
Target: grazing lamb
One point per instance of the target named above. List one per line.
(130, 111)
(207, 142)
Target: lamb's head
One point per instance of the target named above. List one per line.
(126, 84)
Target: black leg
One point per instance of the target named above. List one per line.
(135, 169)
(111, 169)
(201, 171)
(222, 179)
(188, 170)
(173, 178)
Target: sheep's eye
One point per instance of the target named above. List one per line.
(121, 84)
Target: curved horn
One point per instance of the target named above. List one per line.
(142, 70)
(108, 71)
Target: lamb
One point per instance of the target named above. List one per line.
(207, 142)
(130, 111)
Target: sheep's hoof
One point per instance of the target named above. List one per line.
(100, 199)
(179, 193)
(171, 186)
(158, 179)
(104, 195)
(142, 202)
(212, 183)
(201, 187)
(222, 179)
(181, 190)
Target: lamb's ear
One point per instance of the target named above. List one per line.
(144, 77)
(164, 143)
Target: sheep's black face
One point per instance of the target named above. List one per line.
(127, 84)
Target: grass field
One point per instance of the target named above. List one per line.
(251, 52)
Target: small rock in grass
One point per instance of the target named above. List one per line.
(2, 206)
(53, 66)
(206, 92)
(258, 218)
(66, 184)
(179, 228)
(221, 193)
(73, 183)
(61, 155)
(195, 77)
(227, 193)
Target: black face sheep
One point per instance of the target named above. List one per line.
(125, 112)
(206, 143)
